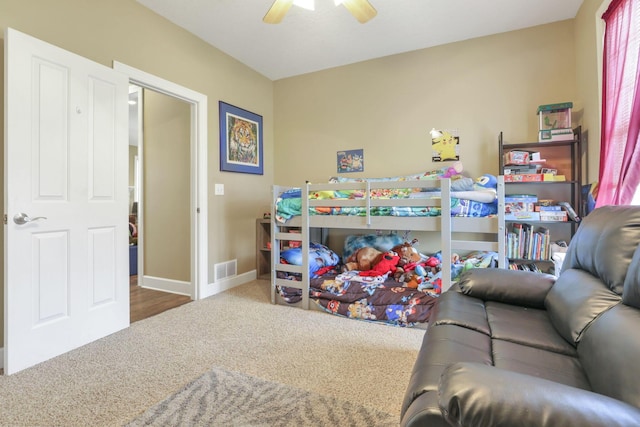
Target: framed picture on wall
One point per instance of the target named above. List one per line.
(240, 140)
(350, 161)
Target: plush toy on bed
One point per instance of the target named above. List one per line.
(387, 264)
(485, 182)
(408, 254)
(363, 259)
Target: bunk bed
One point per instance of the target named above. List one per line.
(371, 206)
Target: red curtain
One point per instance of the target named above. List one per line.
(619, 175)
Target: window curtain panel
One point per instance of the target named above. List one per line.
(619, 174)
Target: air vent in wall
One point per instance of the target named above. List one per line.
(225, 269)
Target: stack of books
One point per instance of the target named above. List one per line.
(526, 242)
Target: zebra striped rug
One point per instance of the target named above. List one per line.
(225, 398)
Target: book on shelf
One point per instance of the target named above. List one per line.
(524, 241)
(549, 208)
(525, 267)
(534, 177)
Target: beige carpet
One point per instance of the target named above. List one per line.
(232, 399)
(114, 380)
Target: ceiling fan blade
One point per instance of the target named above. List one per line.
(278, 9)
(361, 9)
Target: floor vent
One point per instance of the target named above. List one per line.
(225, 269)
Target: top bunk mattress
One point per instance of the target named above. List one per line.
(407, 196)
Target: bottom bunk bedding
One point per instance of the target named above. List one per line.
(379, 298)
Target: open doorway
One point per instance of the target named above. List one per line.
(159, 220)
(198, 201)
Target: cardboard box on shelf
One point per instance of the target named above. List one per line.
(522, 216)
(519, 203)
(560, 216)
(530, 177)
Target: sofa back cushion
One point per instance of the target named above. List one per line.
(631, 292)
(609, 352)
(605, 243)
(575, 300)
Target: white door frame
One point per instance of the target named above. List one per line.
(199, 211)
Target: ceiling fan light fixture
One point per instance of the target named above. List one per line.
(305, 4)
(360, 9)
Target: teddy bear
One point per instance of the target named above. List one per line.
(362, 259)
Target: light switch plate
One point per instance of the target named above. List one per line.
(219, 190)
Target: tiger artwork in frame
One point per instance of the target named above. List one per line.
(241, 147)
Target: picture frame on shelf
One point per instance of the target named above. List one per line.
(241, 148)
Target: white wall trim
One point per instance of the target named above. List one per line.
(199, 141)
(228, 283)
(167, 285)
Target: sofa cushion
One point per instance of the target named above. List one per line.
(576, 300)
(604, 244)
(509, 286)
(453, 308)
(539, 363)
(508, 322)
(441, 346)
(609, 354)
(631, 292)
(478, 395)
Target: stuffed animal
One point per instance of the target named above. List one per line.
(453, 170)
(387, 263)
(485, 182)
(407, 253)
(363, 259)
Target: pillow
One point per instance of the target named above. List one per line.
(320, 257)
(382, 242)
(447, 172)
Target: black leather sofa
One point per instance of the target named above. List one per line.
(517, 348)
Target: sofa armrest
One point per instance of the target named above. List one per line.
(525, 288)
(472, 394)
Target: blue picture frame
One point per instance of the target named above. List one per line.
(240, 140)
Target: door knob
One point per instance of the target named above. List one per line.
(23, 218)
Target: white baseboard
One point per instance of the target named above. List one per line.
(167, 285)
(228, 283)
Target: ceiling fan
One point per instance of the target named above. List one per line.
(360, 9)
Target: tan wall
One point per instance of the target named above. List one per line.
(125, 31)
(387, 106)
(2, 198)
(587, 71)
(166, 226)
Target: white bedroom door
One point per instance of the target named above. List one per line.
(66, 223)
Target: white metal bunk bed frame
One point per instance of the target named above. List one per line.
(445, 223)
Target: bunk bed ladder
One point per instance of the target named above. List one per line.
(282, 233)
(447, 229)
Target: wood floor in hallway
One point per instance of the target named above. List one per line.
(148, 302)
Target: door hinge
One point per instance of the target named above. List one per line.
(4, 219)
(197, 211)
